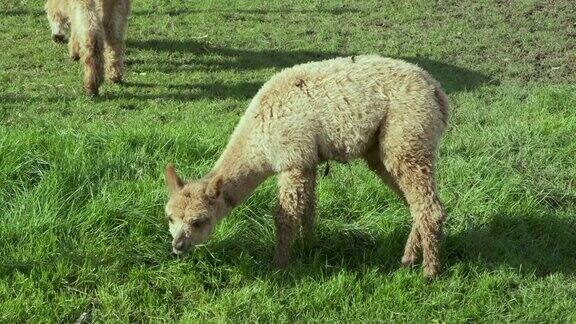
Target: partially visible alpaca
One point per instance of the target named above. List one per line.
(97, 29)
(389, 112)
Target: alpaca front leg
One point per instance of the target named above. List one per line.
(294, 197)
(58, 20)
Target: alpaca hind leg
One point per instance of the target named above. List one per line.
(87, 26)
(408, 142)
(115, 18)
(415, 179)
(294, 201)
(412, 248)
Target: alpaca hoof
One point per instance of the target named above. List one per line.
(74, 56)
(114, 73)
(91, 91)
(431, 272)
(117, 79)
(59, 38)
(281, 263)
(408, 261)
(114, 77)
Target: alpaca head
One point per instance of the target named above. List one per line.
(58, 20)
(193, 210)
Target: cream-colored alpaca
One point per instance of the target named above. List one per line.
(388, 112)
(97, 30)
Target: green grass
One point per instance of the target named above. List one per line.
(82, 193)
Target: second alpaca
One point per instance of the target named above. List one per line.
(97, 29)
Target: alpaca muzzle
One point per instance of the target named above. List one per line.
(180, 246)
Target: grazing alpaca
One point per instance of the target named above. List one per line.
(97, 30)
(388, 112)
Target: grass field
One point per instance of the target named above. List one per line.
(82, 230)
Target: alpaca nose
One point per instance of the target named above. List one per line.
(178, 245)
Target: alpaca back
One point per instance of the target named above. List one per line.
(334, 109)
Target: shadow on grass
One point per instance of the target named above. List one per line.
(528, 244)
(531, 245)
(215, 58)
(177, 12)
(190, 91)
(152, 91)
(334, 250)
(21, 12)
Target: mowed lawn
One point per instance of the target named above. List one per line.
(82, 229)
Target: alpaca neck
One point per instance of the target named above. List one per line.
(241, 169)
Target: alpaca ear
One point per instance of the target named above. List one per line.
(214, 188)
(173, 181)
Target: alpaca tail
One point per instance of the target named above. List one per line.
(87, 25)
(441, 98)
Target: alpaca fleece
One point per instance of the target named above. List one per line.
(388, 112)
(97, 29)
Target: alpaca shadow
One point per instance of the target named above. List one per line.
(332, 250)
(21, 12)
(207, 57)
(177, 12)
(532, 245)
(189, 91)
(453, 78)
(80, 259)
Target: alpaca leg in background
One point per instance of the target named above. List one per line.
(115, 17)
(428, 215)
(309, 214)
(74, 46)
(412, 248)
(375, 164)
(87, 25)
